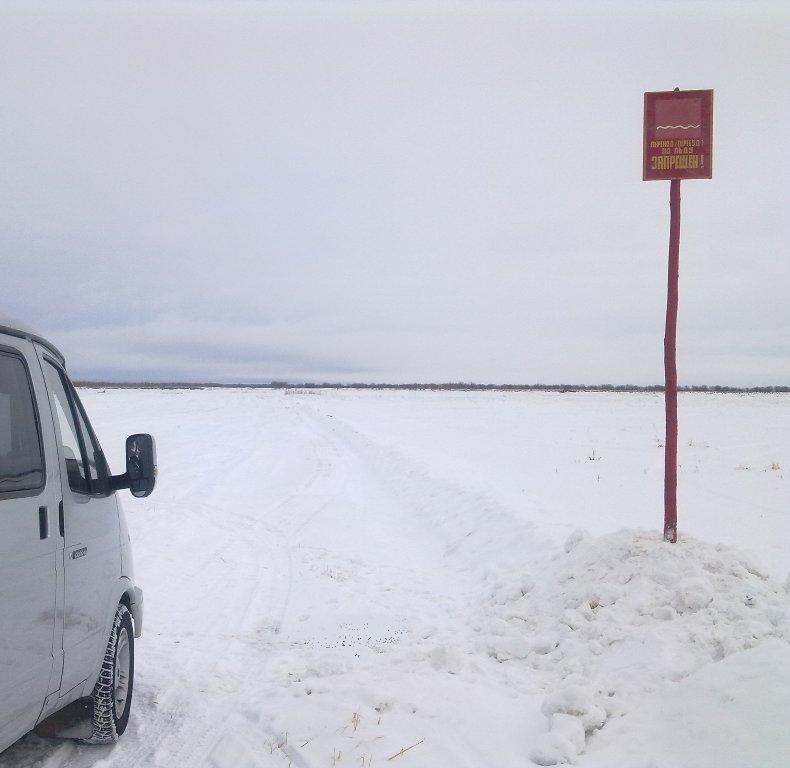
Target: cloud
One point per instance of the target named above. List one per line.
(401, 192)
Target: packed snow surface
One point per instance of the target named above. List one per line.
(452, 580)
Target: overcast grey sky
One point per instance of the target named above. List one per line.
(390, 191)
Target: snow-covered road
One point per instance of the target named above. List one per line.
(332, 578)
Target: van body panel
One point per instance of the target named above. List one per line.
(29, 550)
(91, 560)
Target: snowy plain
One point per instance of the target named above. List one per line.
(452, 580)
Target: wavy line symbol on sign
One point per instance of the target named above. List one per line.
(672, 127)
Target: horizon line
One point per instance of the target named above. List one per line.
(447, 386)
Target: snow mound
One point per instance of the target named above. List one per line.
(617, 617)
(731, 714)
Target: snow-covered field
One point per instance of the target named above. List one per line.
(401, 578)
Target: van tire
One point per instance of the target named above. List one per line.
(113, 689)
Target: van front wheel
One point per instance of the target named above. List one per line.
(112, 694)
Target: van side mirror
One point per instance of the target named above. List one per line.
(141, 464)
(140, 475)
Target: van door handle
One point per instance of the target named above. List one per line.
(43, 523)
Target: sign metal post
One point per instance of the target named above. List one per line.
(678, 144)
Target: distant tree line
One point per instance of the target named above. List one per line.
(460, 386)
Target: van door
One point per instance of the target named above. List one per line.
(92, 558)
(29, 539)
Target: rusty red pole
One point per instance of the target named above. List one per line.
(671, 370)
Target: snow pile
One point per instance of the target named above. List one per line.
(731, 714)
(614, 618)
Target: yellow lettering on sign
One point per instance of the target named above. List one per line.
(675, 162)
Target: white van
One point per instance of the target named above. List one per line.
(69, 606)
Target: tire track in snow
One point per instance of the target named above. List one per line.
(443, 508)
(269, 596)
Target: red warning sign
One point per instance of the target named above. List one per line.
(678, 135)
